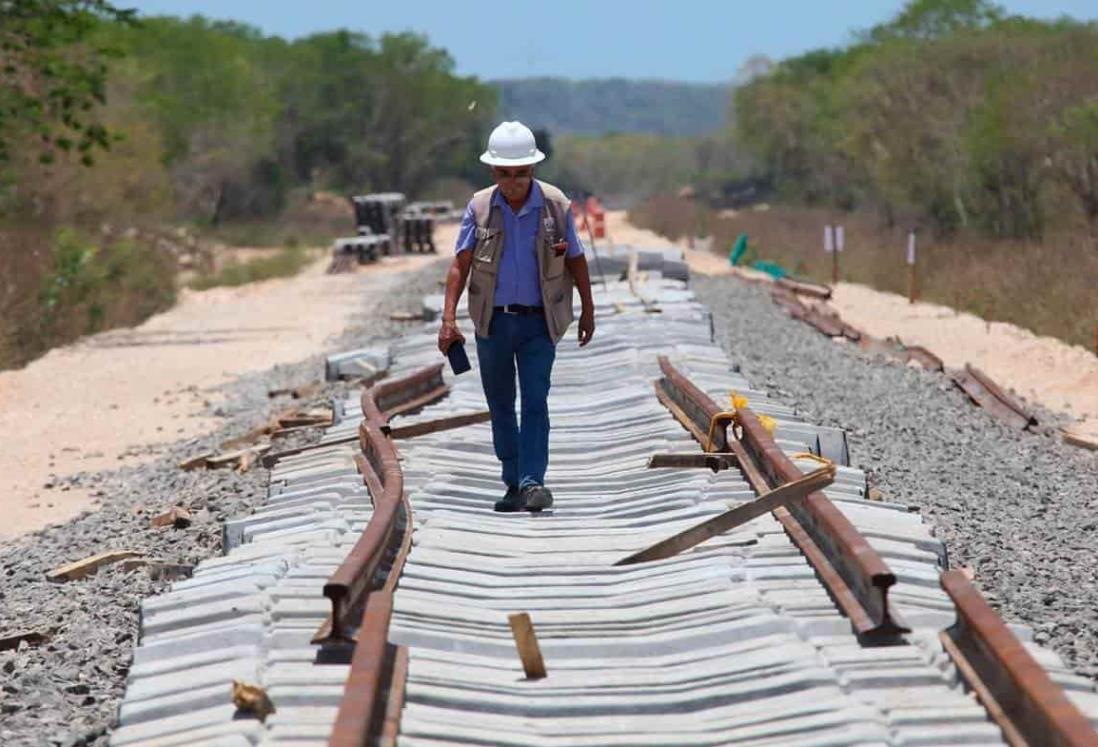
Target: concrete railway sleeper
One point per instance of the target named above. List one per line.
(734, 641)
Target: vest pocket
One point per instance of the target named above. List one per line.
(554, 265)
(486, 250)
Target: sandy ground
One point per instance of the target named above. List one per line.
(91, 405)
(1060, 377)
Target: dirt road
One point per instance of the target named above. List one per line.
(94, 404)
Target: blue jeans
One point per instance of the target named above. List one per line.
(523, 451)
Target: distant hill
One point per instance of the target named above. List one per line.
(596, 107)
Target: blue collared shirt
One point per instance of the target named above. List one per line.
(518, 279)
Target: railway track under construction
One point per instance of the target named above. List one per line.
(370, 600)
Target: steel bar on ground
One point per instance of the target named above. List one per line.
(1026, 701)
(764, 504)
(990, 396)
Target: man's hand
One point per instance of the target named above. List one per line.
(586, 326)
(448, 334)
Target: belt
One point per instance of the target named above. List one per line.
(517, 308)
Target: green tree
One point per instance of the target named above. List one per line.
(53, 74)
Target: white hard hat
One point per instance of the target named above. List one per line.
(512, 144)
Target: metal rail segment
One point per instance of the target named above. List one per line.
(350, 585)
(862, 570)
(1016, 690)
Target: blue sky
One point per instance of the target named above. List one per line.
(686, 40)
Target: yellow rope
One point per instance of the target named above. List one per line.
(738, 402)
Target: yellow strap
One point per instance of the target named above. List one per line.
(739, 402)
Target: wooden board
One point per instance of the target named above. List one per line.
(90, 565)
(526, 641)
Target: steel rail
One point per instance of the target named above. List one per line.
(987, 394)
(361, 714)
(372, 698)
(854, 573)
(383, 401)
(1018, 694)
(350, 585)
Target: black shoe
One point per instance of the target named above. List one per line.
(512, 501)
(536, 497)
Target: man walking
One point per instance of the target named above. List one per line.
(518, 250)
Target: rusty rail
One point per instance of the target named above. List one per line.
(1018, 694)
(380, 403)
(370, 708)
(361, 712)
(354, 580)
(854, 573)
(987, 394)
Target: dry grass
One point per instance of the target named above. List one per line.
(284, 263)
(59, 285)
(1050, 288)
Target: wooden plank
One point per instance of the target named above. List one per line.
(433, 426)
(737, 516)
(1081, 440)
(297, 419)
(198, 462)
(305, 391)
(223, 460)
(176, 516)
(526, 641)
(715, 461)
(11, 641)
(269, 460)
(90, 565)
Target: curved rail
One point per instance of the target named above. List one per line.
(854, 573)
(351, 584)
(370, 706)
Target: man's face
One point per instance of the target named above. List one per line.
(513, 181)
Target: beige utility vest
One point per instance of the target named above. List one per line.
(556, 281)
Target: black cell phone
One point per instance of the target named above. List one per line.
(459, 361)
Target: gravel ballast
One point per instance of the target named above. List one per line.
(65, 691)
(1019, 508)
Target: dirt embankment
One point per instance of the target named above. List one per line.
(1060, 377)
(100, 402)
